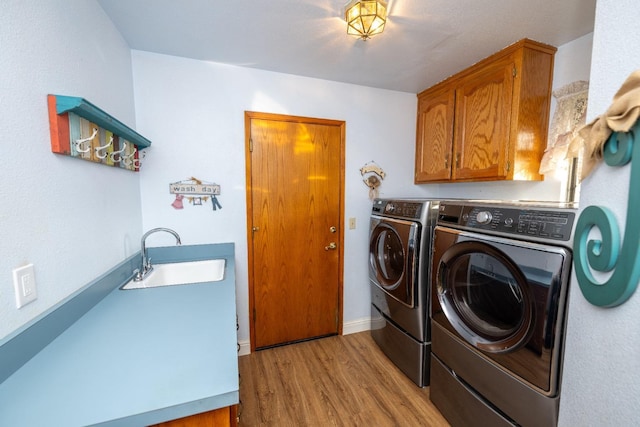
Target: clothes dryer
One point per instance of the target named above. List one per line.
(400, 236)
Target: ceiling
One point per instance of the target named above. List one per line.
(424, 41)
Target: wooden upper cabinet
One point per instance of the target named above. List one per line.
(434, 135)
(483, 114)
(488, 122)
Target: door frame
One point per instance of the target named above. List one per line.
(248, 116)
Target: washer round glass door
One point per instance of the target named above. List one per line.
(392, 258)
(485, 296)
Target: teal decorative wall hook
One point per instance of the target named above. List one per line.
(606, 254)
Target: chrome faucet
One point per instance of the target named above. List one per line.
(146, 266)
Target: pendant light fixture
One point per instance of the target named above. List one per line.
(365, 18)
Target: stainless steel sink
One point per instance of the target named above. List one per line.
(181, 273)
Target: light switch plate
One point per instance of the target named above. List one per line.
(352, 223)
(24, 283)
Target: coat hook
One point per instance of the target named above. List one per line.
(79, 142)
(138, 162)
(128, 160)
(104, 148)
(119, 153)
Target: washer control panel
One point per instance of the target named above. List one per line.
(398, 208)
(484, 217)
(554, 224)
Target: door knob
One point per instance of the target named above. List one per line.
(331, 246)
(332, 229)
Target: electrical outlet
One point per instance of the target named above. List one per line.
(352, 223)
(24, 283)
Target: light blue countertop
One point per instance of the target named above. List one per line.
(136, 358)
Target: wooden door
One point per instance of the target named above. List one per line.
(483, 116)
(434, 139)
(295, 173)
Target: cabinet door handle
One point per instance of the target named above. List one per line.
(458, 160)
(446, 161)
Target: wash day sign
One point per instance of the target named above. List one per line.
(195, 189)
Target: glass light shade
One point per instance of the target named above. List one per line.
(366, 18)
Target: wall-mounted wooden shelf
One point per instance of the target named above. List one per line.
(82, 130)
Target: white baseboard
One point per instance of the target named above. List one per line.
(351, 327)
(355, 326)
(245, 348)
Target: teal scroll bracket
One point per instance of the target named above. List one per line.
(606, 254)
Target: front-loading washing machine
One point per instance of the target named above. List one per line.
(500, 277)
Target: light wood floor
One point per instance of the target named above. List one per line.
(335, 381)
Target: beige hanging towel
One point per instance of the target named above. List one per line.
(620, 117)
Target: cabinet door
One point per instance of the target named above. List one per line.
(483, 116)
(434, 139)
(223, 417)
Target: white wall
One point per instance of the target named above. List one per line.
(601, 381)
(194, 113)
(72, 219)
(572, 62)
